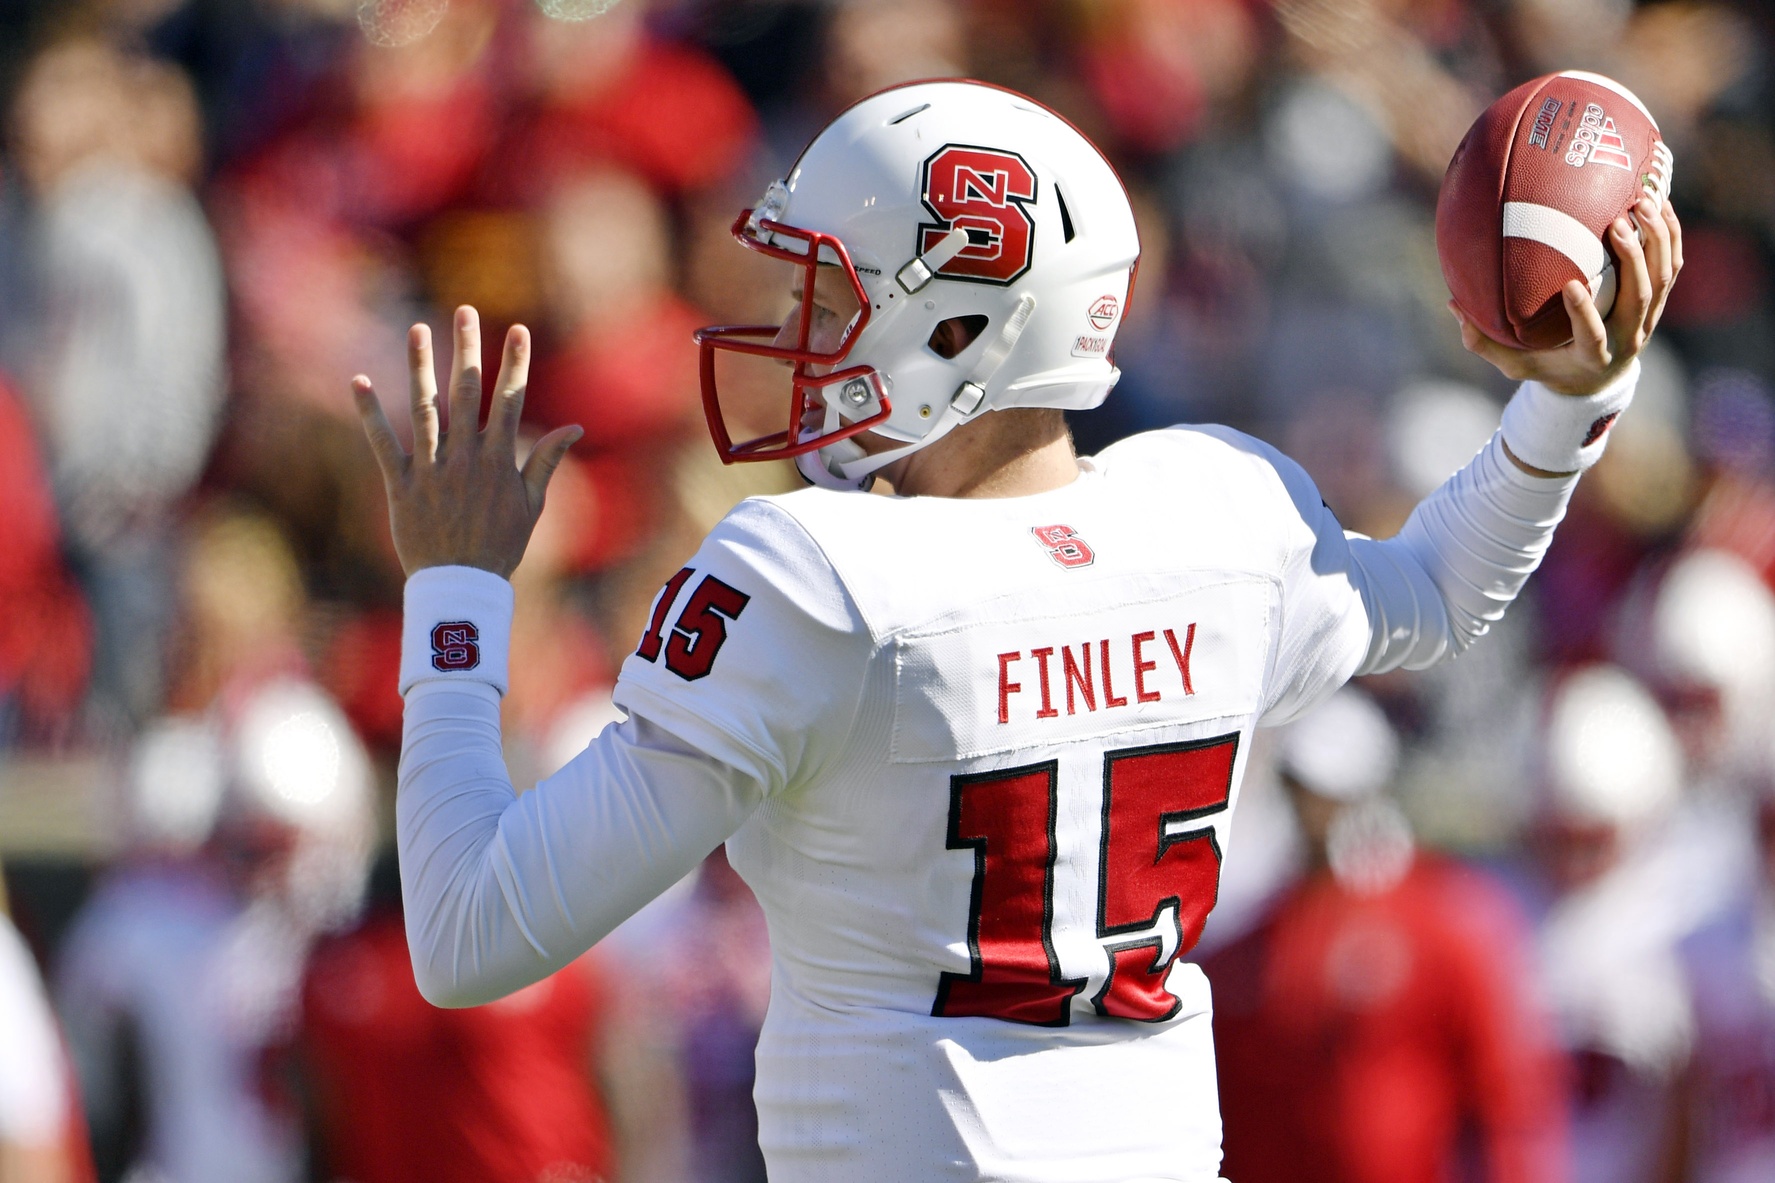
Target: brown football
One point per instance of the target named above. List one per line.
(1530, 194)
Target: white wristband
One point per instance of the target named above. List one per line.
(1565, 433)
(457, 626)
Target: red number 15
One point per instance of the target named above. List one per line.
(1007, 819)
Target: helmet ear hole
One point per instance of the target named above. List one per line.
(952, 336)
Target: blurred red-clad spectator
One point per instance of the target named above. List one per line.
(122, 352)
(362, 669)
(874, 44)
(403, 1090)
(1159, 68)
(624, 366)
(404, 136)
(1358, 1036)
(606, 92)
(615, 354)
(45, 634)
(1377, 1015)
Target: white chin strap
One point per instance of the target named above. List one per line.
(845, 465)
(825, 467)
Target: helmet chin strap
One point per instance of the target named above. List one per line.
(845, 465)
(813, 467)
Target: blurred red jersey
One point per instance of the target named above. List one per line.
(501, 1093)
(1368, 1039)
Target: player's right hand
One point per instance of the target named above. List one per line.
(460, 497)
(1600, 351)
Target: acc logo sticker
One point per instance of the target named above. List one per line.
(985, 191)
(1103, 311)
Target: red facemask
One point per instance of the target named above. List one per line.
(760, 341)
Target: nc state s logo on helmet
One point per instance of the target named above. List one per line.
(985, 192)
(937, 201)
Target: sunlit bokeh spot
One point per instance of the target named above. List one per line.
(301, 761)
(575, 10)
(394, 23)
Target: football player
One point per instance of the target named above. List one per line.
(975, 745)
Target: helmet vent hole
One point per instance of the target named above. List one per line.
(952, 336)
(1065, 216)
(909, 114)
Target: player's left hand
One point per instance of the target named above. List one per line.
(460, 497)
(1600, 350)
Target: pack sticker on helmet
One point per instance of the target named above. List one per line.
(986, 192)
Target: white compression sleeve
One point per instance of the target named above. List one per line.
(1462, 557)
(502, 890)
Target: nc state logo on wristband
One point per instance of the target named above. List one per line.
(1599, 427)
(455, 646)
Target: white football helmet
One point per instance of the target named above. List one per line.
(1610, 756)
(938, 200)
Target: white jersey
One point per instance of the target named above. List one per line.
(976, 758)
(1000, 741)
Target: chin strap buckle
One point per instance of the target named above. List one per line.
(968, 397)
(916, 274)
(972, 392)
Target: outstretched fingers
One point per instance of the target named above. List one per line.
(422, 387)
(391, 458)
(544, 459)
(514, 379)
(465, 376)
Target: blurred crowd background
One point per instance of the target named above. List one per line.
(1513, 919)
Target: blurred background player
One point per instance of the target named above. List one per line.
(1722, 1111)
(1627, 883)
(398, 1089)
(42, 1130)
(124, 309)
(250, 826)
(543, 1085)
(1373, 1023)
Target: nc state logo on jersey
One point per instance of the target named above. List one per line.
(1064, 545)
(985, 191)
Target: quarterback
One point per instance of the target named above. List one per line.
(974, 745)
